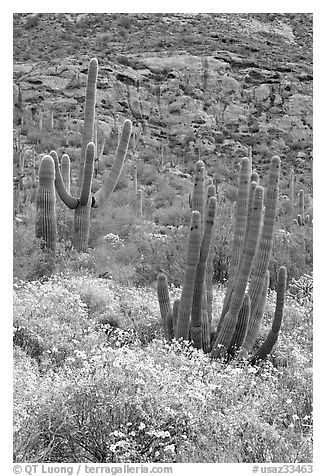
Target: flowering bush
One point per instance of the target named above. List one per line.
(162, 403)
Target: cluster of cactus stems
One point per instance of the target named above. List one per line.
(190, 318)
(84, 201)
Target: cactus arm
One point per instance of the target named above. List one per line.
(88, 174)
(183, 323)
(272, 336)
(239, 230)
(165, 305)
(254, 176)
(45, 224)
(67, 199)
(199, 190)
(65, 171)
(225, 334)
(89, 117)
(111, 180)
(265, 244)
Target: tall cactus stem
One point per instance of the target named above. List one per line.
(183, 323)
(199, 288)
(239, 232)
(89, 117)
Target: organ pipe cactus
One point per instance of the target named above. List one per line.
(84, 201)
(45, 225)
(243, 307)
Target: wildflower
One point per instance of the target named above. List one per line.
(170, 448)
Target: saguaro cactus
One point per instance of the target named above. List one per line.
(85, 201)
(45, 225)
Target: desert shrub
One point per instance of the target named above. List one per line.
(164, 197)
(149, 175)
(49, 317)
(30, 260)
(157, 252)
(109, 219)
(44, 141)
(173, 215)
(294, 250)
(161, 403)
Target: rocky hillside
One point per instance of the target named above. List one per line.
(194, 85)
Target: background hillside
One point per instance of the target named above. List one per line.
(204, 85)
